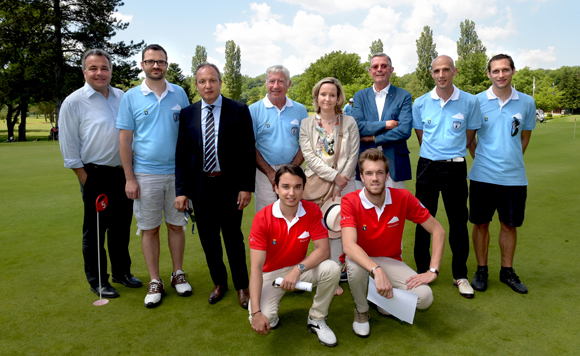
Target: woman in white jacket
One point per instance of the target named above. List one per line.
(319, 135)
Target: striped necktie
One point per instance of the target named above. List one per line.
(210, 149)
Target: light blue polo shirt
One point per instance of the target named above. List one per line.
(155, 124)
(277, 131)
(498, 157)
(444, 124)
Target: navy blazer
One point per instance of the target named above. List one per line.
(394, 142)
(236, 149)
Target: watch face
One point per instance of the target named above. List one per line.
(301, 267)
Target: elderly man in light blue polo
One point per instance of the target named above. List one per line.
(445, 121)
(276, 121)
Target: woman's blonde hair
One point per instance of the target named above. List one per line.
(339, 90)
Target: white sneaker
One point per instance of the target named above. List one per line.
(179, 282)
(154, 294)
(464, 287)
(325, 335)
(361, 326)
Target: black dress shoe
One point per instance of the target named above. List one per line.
(217, 293)
(509, 277)
(479, 282)
(107, 291)
(243, 298)
(128, 280)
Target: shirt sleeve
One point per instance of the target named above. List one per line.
(258, 235)
(69, 123)
(474, 119)
(417, 121)
(348, 211)
(416, 212)
(530, 118)
(125, 119)
(317, 230)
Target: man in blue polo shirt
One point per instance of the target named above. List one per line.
(276, 121)
(347, 110)
(498, 176)
(149, 123)
(445, 121)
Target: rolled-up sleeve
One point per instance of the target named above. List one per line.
(70, 144)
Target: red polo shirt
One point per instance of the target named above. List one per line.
(380, 236)
(286, 242)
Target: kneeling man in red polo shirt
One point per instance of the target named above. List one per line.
(372, 224)
(279, 242)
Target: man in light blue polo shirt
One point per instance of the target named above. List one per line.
(347, 110)
(445, 121)
(149, 122)
(276, 121)
(498, 176)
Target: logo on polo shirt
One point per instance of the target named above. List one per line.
(429, 121)
(364, 228)
(294, 131)
(146, 112)
(485, 119)
(273, 241)
(175, 116)
(268, 125)
(304, 236)
(394, 222)
(456, 125)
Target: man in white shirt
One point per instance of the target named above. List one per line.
(89, 142)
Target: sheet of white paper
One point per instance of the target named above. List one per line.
(402, 305)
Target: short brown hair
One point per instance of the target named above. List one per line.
(292, 169)
(372, 154)
(339, 90)
(497, 57)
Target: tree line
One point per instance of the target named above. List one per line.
(42, 41)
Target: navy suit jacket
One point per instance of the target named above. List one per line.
(236, 149)
(394, 142)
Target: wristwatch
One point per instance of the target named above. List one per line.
(434, 270)
(301, 268)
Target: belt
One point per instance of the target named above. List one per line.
(214, 174)
(456, 159)
(98, 166)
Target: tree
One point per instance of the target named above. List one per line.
(472, 61)
(232, 70)
(426, 53)
(199, 58)
(346, 67)
(376, 47)
(570, 86)
(175, 76)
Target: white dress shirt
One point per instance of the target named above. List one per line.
(380, 97)
(87, 124)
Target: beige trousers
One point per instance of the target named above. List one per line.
(324, 277)
(397, 272)
(263, 193)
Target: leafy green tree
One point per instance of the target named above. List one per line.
(376, 47)
(548, 97)
(232, 70)
(175, 76)
(199, 58)
(570, 86)
(346, 67)
(426, 53)
(472, 61)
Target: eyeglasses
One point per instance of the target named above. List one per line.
(382, 66)
(515, 127)
(150, 63)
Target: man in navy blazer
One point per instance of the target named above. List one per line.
(215, 166)
(390, 130)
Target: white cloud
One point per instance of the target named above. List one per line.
(446, 46)
(123, 18)
(263, 12)
(489, 34)
(535, 58)
(335, 6)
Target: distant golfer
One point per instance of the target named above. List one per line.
(89, 142)
(498, 176)
(445, 121)
(148, 122)
(347, 110)
(279, 242)
(373, 220)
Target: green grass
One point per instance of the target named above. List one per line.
(46, 306)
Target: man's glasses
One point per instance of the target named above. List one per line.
(150, 63)
(515, 127)
(382, 66)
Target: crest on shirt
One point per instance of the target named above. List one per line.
(456, 124)
(429, 121)
(294, 130)
(273, 241)
(485, 119)
(364, 228)
(268, 125)
(146, 112)
(175, 116)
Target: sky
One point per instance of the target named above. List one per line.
(295, 33)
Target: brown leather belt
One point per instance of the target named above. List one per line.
(214, 174)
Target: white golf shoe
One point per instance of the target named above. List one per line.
(325, 335)
(361, 326)
(464, 287)
(154, 294)
(180, 283)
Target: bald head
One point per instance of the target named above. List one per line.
(443, 59)
(443, 71)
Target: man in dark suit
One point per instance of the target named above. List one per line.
(215, 167)
(390, 129)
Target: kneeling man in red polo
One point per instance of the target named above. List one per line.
(372, 224)
(279, 242)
